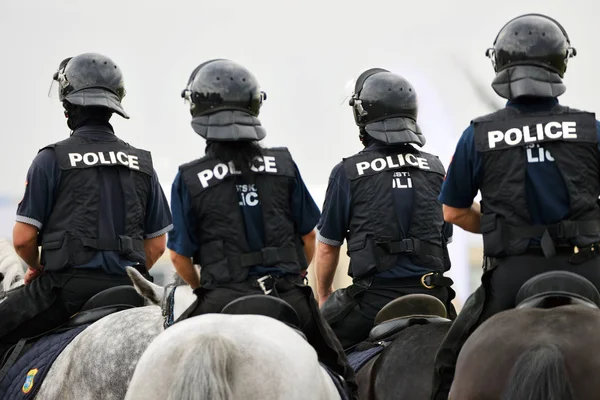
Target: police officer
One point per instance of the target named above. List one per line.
(536, 165)
(242, 212)
(383, 201)
(92, 202)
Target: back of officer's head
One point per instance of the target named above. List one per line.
(224, 100)
(530, 56)
(90, 87)
(385, 109)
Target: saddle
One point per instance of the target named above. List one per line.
(412, 309)
(269, 306)
(555, 289)
(393, 318)
(107, 302)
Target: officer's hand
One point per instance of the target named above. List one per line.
(323, 296)
(31, 274)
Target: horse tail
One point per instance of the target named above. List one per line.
(539, 374)
(204, 371)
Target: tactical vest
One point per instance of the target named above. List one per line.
(224, 254)
(72, 237)
(569, 137)
(375, 237)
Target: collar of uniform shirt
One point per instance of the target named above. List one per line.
(94, 128)
(533, 102)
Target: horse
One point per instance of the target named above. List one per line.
(543, 349)
(12, 268)
(99, 363)
(223, 356)
(402, 348)
(219, 357)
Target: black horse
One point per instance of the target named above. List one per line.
(410, 329)
(545, 349)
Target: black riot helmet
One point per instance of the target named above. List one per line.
(385, 106)
(530, 56)
(225, 101)
(91, 80)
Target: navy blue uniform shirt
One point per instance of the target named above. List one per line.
(334, 223)
(183, 240)
(546, 192)
(43, 179)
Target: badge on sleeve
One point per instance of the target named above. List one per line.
(20, 201)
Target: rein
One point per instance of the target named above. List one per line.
(168, 305)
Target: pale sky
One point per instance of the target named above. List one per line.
(303, 53)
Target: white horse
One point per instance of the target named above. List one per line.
(228, 357)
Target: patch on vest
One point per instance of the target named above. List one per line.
(528, 134)
(222, 170)
(28, 385)
(392, 162)
(248, 195)
(104, 158)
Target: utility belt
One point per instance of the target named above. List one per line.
(577, 254)
(501, 239)
(409, 246)
(61, 249)
(429, 280)
(268, 283)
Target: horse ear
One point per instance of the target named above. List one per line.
(144, 287)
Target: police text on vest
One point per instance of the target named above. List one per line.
(104, 158)
(400, 160)
(221, 170)
(550, 130)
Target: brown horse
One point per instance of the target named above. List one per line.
(415, 326)
(546, 349)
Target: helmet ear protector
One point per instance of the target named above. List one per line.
(186, 93)
(355, 101)
(571, 52)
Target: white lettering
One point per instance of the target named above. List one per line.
(527, 135)
(102, 159)
(378, 164)
(220, 171)
(133, 162)
(537, 154)
(411, 159)
(390, 162)
(122, 157)
(551, 130)
(270, 165)
(494, 137)
(251, 199)
(90, 158)
(518, 136)
(548, 130)
(75, 158)
(205, 176)
(361, 166)
(569, 130)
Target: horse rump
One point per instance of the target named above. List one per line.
(205, 371)
(539, 374)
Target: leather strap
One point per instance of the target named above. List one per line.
(12, 359)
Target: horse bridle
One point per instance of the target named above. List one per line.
(168, 304)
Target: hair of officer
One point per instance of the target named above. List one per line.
(241, 153)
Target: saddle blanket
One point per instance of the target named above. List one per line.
(358, 359)
(27, 374)
(338, 381)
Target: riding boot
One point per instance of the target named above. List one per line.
(447, 355)
(328, 347)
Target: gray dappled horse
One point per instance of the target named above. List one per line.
(545, 349)
(99, 362)
(222, 356)
(410, 329)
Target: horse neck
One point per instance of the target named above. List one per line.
(183, 299)
(11, 266)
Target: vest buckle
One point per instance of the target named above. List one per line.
(125, 244)
(424, 280)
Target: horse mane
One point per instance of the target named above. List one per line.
(11, 265)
